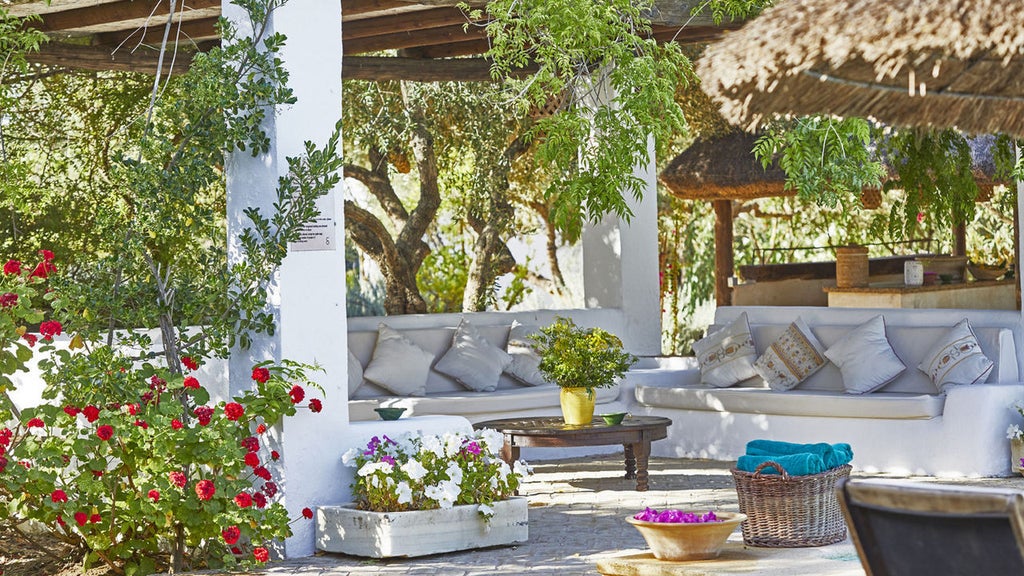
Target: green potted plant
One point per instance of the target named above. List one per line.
(579, 360)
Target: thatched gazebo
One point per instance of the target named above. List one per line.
(931, 63)
(722, 170)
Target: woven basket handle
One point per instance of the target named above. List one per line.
(763, 465)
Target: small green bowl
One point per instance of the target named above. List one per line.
(613, 419)
(389, 413)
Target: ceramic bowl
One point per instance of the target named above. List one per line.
(613, 419)
(701, 541)
(389, 413)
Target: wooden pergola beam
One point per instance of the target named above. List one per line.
(429, 37)
(101, 14)
(98, 58)
(380, 68)
(664, 12)
(406, 22)
(190, 31)
(360, 7)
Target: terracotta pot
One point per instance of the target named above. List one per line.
(577, 405)
(680, 541)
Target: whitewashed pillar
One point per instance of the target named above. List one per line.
(620, 260)
(308, 295)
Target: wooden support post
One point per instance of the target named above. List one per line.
(959, 239)
(723, 252)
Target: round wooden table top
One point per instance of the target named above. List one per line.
(555, 426)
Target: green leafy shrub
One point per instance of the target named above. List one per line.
(575, 357)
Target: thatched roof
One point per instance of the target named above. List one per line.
(723, 168)
(943, 63)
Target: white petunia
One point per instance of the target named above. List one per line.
(454, 472)
(433, 445)
(1014, 432)
(404, 493)
(521, 468)
(492, 440)
(350, 456)
(452, 444)
(372, 467)
(414, 469)
(485, 510)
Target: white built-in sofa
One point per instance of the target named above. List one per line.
(907, 426)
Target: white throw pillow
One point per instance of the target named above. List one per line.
(865, 358)
(398, 365)
(525, 365)
(956, 358)
(726, 356)
(472, 360)
(355, 374)
(791, 358)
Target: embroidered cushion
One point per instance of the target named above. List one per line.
(472, 360)
(956, 358)
(865, 358)
(791, 358)
(398, 365)
(726, 356)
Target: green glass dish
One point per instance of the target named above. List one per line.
(389, 413)
(613, 419)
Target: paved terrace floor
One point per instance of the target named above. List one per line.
(577, 511)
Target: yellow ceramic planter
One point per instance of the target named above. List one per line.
(577, 405)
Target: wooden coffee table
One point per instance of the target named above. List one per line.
(635, 434)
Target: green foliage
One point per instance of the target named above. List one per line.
(618, 85)
(442, 279)
(574, 357)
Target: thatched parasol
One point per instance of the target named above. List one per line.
(723, 168)
(941, 63)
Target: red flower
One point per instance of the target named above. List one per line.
(260, 500)
(189, 362)
(157, 383)
(191, 382)
(205, 489)
(315, 405)
(142, 424)
(231, 534)
(43, 269)
(95, 519)
(261, 428)
(133, 409)
(233, 410)
(97, 473)
(92, 413)
(8, 300)
(250, 443)
(71, 410)
(12, 267)
(47, 255)
(59, 495)
(274, 455)
(270, 489)
(5, 436)
(30, 338)
(178, 479)
(176, 424)
(154, 495)
(260, 374)
(261, 554)
(203, 413)
(307, 513)
(49, 329)
(35, 423)
(297, 394)
(243, 500)
(262, 472)
(60, 520)
(81, 518)
(252, 460)
(105, 432)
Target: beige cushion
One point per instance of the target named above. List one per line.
(472, 360)
(355, 374)
(791, 358)
(727, 355)
(398, 365)
(956, 358)
(865, 358)
(525, 365)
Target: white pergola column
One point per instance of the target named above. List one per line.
(308, 295)
(620, 265)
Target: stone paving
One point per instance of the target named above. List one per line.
(577, 511)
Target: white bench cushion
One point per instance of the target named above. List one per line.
(898, 405)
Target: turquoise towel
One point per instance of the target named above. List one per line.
(832, 454)
(794, 464)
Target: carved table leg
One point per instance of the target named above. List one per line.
(642, 452)
(509, 453)
(630, 461)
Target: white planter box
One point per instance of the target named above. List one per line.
(419, 533)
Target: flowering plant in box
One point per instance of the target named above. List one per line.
(423, 472)
(675, 516)
(1014, 432)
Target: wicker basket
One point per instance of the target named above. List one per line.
(852, 266)
(786, 511)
